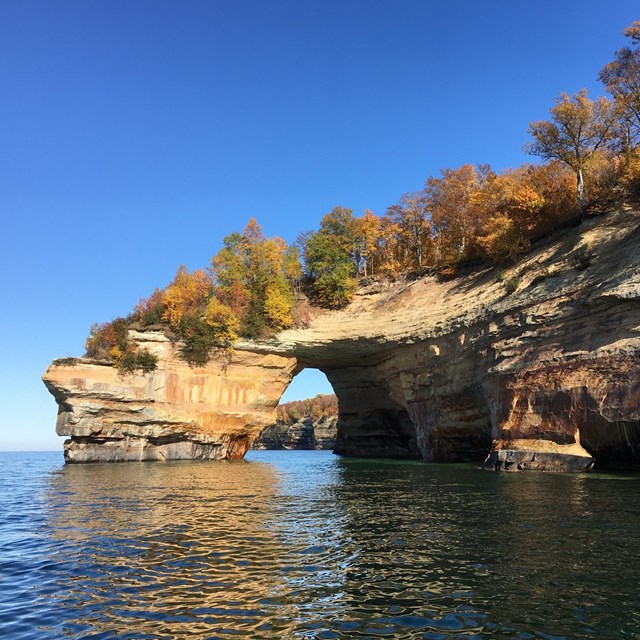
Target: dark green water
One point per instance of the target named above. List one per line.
(307, 545)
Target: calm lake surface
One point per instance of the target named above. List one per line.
(303, 544)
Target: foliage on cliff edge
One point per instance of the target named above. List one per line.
(466, 215)
(110, 342)
(248, 291)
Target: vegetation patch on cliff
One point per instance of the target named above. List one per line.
(110, 342)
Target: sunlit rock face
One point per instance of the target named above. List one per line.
(546, 376)
(177, 412)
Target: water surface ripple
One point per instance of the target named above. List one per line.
(308, 545)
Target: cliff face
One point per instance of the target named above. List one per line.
(304, 434)
(540, 369)
(177, 412)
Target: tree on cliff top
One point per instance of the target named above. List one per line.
(578, 128)
(247, 291)
(451, 205)
(330, 256)
(254, 276)
(621, 77)
(413, 232)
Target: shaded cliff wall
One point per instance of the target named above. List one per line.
(370, 422)
(308, 433)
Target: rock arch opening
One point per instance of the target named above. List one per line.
(306, 416)
(372, 420)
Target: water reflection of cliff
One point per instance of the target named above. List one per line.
(174, 550)
(443, 550)
(320, 547)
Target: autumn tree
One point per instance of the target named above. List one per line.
(222, 320)
(254, 277)
(392, 251)
(271, 297)
(503, 206)
(150, 311)
(199, 320)
(368, 236)
(578, 128)
(621, 77)
(107, 340)
(412, 232)
(450, 202)
(186, 297)
(555, 183)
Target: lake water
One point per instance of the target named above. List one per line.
(302, 544)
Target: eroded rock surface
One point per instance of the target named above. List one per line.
(176, 412)
(450, 371)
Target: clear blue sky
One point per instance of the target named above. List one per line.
(134, 135)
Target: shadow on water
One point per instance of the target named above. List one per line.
(307, 545)
(455, 552)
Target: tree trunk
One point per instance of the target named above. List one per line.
(580, 187)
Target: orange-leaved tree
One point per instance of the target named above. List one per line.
(451, 205)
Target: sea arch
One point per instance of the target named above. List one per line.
(544, 375)
(370, 422)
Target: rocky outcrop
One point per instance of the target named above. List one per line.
(176, 412)
(304, 434)
(536, 368)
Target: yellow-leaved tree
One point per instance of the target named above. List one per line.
(186, 297)
(578, 128)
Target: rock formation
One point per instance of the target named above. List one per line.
(176, 412)
(304, 434)
(539, 368)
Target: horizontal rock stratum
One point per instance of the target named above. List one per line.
(539, 369)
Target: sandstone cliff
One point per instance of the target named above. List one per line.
(176, 412)
(540, 368)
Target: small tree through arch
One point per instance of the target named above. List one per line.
(307, 415)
